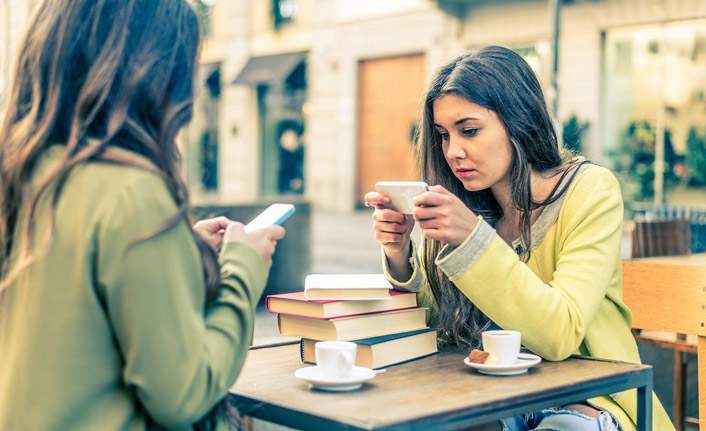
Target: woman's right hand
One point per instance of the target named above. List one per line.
(392, 229)
(263, 241)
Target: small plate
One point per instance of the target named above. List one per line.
(524, 361)
(352, 382)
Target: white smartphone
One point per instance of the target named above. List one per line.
(274, 214)
(402, 193)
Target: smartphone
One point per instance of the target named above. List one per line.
(402, 193)
(274, 214)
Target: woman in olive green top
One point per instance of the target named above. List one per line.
(114, 312)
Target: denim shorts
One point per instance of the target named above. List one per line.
(560, 419)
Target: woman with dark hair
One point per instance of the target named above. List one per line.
(114, 312)
(515, 234)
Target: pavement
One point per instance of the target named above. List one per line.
(344, 243)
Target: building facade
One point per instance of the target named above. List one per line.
(630, 86)
(318, 99)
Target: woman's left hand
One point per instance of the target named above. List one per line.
(212, 230)
(443, 216)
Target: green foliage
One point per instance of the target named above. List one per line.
(634, 159)
(573, 131)
(696, 157)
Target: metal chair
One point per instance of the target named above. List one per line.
(661, 238)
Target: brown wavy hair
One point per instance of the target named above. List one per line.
(499, 79)
(92, 75)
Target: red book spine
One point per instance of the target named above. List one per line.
(350, 315)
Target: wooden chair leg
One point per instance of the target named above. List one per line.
(701, 372)
(679, 390)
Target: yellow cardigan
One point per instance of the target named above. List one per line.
(567, 299)
(99, 333)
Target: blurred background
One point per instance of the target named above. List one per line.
(313, 101)
(318, 99)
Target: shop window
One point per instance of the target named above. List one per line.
(654, 113)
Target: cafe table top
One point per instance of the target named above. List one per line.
(437, 392)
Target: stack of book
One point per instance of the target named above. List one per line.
(386, 324)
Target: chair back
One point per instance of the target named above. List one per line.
(661, 238)
(664, 297)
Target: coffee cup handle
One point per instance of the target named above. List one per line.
(346, 360)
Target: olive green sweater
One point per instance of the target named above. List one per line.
(567, 298)
(100, 334)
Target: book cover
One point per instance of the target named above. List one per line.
(384, 351)
(352, 327)
(296, 303)
(347, 286)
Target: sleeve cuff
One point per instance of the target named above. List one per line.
(416, 280)
(455, 261)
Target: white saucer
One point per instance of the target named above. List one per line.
(353, 381)
(524, 361)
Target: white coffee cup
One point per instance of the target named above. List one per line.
(504, 345)
(335, 359)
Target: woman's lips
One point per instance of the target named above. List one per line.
(464, 173)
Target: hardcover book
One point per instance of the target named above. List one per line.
(296, 303)
(379, 352)
(346, 286)
(352, 327)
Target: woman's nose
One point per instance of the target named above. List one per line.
(455, 149)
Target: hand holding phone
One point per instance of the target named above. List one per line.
(264, 242)
(275, 214)
(402, 193)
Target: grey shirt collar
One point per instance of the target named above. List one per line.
(548, 217)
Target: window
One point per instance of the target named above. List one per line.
(537, 56)
(282, 106)
(284, 11)
(654, 110)
(202, 134)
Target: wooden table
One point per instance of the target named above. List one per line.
(438, 392)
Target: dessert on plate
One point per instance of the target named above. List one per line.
(480, 357)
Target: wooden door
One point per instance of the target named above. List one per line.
(389, 100)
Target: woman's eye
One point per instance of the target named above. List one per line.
(470, 132)
(444, 136)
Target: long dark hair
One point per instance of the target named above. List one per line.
(498, 79)
(95, 74)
